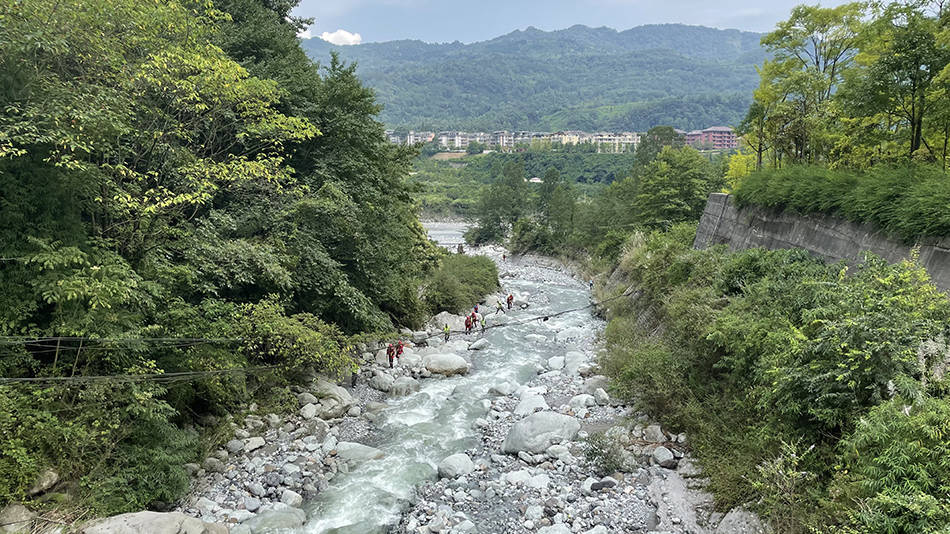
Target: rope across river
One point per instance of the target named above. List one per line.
(187, 376)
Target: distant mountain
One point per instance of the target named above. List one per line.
(579, 78)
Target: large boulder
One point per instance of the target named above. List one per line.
(46, 480)
(382, 381)
(357, 452)
(403, 386)
(455, 322)
(593, 383)
(446, 364)
(573, 361)
(456, 466)
(153, 523)
(741, 521)
(538, 431)
(334, 400)
(275, 517)
(530, 404)
(15, 518)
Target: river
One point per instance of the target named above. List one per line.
(421, 429)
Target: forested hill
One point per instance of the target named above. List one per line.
(578, 78)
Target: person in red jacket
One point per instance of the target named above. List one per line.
(399, 347)
(511, 299)
(468, 325)
(391, 352)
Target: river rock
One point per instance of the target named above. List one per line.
(654, 434)
(740, 521)
(252, 504)
(455, 466)
(352, 451)
(539, 431)
(664, 457)
(334, 400)
(530, 404)
(573, 360)
(403, 386)
(446, 364)
(47, 479)
(559, 528)
(308, 411)
(455, 322)
(601, 397)
(305, 398)
(597, 381)
(254, 443)
(504, 389)
(291, 497)
(15, 518)
(382, 381)
(213, 465)
(274, 517)
(420, 337)
(582, 401)
(234, 446)
(479, 345)
(153, 523)
(556, 363)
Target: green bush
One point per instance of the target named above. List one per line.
(909, 202)
(896, 475)
(458, 283)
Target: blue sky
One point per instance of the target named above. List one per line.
(478, 20)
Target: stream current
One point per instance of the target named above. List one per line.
(419, 430)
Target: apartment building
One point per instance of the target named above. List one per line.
(717, 137)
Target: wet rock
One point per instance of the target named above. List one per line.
(351, 451)
(479, 345)
(46, 480)
(446, 364)
(152, 523)
(539, 431)
(403, 386)
(274, 517)
(455, 466)
(15, 518)
(556, 363)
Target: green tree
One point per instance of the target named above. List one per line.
(674, 187)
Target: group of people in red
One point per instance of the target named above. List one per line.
(394, 351)
(476, 319)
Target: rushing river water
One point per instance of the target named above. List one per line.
(420, 430)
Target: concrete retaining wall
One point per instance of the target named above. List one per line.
(829, 238)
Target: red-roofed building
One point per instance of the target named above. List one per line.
(718, 137)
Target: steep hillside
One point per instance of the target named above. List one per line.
(577, 78)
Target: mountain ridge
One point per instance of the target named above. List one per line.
(575, 78)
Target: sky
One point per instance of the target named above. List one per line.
(437, 21)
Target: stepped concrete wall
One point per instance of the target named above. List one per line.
(830, 238)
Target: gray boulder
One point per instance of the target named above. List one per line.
(351, 451)
(253, 443)
(403, 386)
(305, 398)
(664, 457)
(597, 381)
(420, 337)
(153, 523)
(446, 364)
(601, 397)
(15, 518)
(556, 363)
(235, 446)
(530, 404)
(274, 517)
(559, 528)
(291, 498)
(334, 400)
(46, 480)
(382, 381)
(504, 389)
(654, 434)
(455, 466)
(539, 431)
(741, 521)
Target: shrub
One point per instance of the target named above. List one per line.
(459, 282)
(604, 454)
(907, 202)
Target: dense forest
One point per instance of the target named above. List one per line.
(813, 394)
(182, 190)
(578, 78)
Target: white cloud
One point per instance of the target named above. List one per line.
(305, 34)
(342, 37)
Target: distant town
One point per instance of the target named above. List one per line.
(712, 138)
